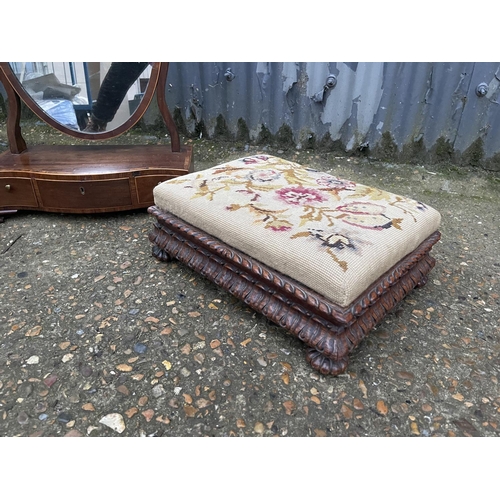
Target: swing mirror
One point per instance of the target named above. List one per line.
(91, 100)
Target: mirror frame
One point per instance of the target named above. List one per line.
(156, 70)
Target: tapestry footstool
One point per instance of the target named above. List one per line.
(324, 258)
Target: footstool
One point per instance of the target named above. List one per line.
(324, 258)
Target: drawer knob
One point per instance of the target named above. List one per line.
(7, 187)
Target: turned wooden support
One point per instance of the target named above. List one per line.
(16, 142)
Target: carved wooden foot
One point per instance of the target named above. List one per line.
(431, 262)
(160, 254)
(325, 365)
(422, 282)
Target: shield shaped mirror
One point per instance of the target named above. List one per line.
(89, 100)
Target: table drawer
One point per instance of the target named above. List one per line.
(108, 193)
(145, 185)
(17, 192)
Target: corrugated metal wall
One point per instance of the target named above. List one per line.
(399, 110)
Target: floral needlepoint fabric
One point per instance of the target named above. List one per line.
(333, 235)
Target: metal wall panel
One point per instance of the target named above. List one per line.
(481, 115)
(416, 107)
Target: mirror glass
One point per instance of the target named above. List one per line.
(90, 97)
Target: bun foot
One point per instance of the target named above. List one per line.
(160, 254)
(422, 282)
(325, 365)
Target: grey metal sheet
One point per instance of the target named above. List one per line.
(408, 101)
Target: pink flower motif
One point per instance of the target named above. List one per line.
(255, 159)
(279, 226)
(336, 184)
(298, 195)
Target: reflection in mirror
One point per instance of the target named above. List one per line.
(87, 96)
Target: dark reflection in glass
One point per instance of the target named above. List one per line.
(116, 83)
(91, 97)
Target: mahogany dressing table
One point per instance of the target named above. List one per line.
(84, 178)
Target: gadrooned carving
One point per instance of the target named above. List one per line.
(330, 332)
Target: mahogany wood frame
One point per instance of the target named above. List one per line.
(80, 178)
(330, 332)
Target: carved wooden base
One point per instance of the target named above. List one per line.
(331, 332)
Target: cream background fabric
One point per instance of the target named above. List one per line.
(332, 235)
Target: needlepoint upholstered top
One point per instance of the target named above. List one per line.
(335, 236)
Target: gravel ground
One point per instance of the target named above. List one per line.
(98, 338)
